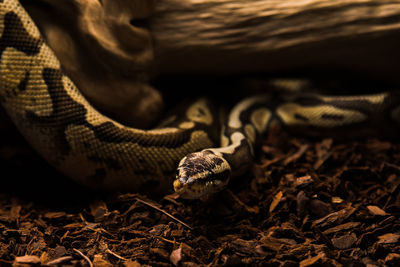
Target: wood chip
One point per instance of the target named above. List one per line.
(98, 261)
(296, 156)
(341, 227)
(176, 256)
(374, 210)
(313, 260)
(30, 259)
(98, 210)
(55, 215)
(336, 200)
(275, 201)
(389, 238)
(60, 260)
(309, 212)
(392, 259)
(345, 241)
(303, 181)
(334, 217)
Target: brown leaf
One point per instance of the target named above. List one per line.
(374, 210)
(176, 256)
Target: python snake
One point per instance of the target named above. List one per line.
(97, 151)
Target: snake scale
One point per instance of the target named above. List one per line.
(99, 152)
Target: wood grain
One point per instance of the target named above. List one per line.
(231, 36)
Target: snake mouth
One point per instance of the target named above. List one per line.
(197, 188)
(178, 186)
(188, 190)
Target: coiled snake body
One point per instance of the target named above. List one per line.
(97, 151)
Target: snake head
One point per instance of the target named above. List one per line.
(201, 173)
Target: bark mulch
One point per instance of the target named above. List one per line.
(307, 202)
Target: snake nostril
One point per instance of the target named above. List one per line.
(177, 185)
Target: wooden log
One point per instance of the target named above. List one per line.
(112, 62)
(232, 36)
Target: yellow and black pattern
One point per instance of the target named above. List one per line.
(74, 137)
(375, 114)
(99, 152)
(208, 171)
